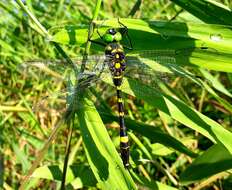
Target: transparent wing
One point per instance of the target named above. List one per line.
(141, 63)
(149, 67)
(95, 65)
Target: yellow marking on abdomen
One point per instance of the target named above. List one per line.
(117, 65)
(124, 139)
(118, 87)
(121, 113)
(117, 77)
(119, 100)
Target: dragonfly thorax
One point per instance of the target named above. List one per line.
(113, 47)
(116, 61)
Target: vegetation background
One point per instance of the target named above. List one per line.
(174, 149)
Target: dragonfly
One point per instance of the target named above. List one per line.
(150, 67)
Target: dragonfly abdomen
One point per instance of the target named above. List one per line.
(124, 141)
(117, 65)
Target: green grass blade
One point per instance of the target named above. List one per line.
(223, 101)
(215, 83)
(101, 153)
(216, 159)
(161, 150)
(78, 176)
(21, 156)
(152, 133)
(31, 139)
(151, 184)
(207, 10)
(1, 168)
(41, 154)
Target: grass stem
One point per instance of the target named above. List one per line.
(90, 32)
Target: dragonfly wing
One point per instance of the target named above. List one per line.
(62, 74)
(156, 66)
(147, 66)
(61, 69)
(61, 100)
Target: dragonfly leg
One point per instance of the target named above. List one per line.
(125, 32)
(98, 30)
(97, 42)
(125, 29)
(99, 34)
(103, 67)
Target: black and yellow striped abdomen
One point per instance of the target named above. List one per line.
(117, 65)
(124, 144)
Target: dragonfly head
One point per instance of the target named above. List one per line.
(112, 35)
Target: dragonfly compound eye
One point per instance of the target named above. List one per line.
(108, 38)
(117, 37)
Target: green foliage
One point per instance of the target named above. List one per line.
(166, 35)
(192, 124)
(78, 176)
(209, 163)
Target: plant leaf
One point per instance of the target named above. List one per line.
(101, 153)
(155, 185)
(153, 133)
(207, 10)
(214, 41)
(216, 159)
(78, 176)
